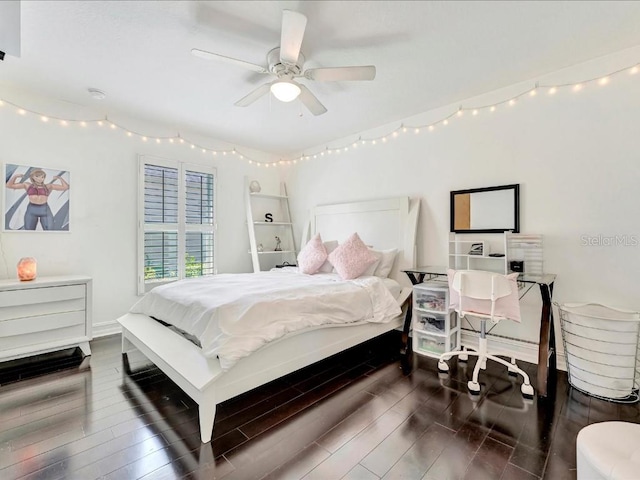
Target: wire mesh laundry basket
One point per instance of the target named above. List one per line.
(601, 348)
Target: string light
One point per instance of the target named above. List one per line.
(532, 92)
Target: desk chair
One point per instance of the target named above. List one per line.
(487, 296)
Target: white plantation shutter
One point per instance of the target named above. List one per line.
(177, 222)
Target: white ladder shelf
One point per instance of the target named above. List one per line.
(263, 230)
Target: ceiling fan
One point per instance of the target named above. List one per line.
(286, 63)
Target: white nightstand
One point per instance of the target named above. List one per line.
(435, 325)
(43, 315)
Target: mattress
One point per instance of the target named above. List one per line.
(232, 315)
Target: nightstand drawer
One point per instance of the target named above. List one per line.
(42, 330)
(34, 296)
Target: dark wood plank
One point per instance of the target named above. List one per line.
(355, 415)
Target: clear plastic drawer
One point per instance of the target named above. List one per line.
(434, 345)
(430, 322)
(431, 296)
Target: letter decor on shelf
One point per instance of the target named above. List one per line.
(268, 217)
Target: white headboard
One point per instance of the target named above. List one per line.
(382, 223)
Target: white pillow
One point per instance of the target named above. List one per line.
(387, 259)
(370, 271)
(352, 258)
(312, 256)
(329, 246)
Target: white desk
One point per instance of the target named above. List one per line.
(547, 345)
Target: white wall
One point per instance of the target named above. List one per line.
(576, 157)
(103, 165)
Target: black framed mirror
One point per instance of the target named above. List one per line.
(486, 210)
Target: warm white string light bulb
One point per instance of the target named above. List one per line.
(532, 92)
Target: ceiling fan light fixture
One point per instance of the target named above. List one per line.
(285, 90)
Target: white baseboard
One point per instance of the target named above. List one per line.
(106, 328)
(520, 350)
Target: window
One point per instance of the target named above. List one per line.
(176, 235)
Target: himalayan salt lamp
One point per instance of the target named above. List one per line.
(27, 269)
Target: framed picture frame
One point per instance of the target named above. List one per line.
(36, 199)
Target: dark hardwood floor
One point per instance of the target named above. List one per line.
(357, 415)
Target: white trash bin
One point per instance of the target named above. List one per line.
(601, 348)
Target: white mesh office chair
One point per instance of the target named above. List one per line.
(487, 296)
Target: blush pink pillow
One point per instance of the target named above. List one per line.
(312, 256)
(506, 307)
(351, 258)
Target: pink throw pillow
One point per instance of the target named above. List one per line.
(312, 256)
(351, 258)
(506, 307)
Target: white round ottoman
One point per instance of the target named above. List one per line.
(609, 451)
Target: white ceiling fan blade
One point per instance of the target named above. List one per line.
(234, 61)
(336, 74)
(253, 96)
(293, 25)
(310, 101)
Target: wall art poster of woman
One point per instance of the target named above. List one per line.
(36, 199)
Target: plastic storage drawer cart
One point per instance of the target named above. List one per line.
(435, 325)
(601, 348)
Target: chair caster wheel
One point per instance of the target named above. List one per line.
(527, 391)
(443, 367)
(473, 387)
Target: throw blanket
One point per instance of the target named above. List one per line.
(233, 315)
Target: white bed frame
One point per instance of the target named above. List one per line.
(383, 224)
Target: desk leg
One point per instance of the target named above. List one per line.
(547, 347)
(415, 278)
(404, 349)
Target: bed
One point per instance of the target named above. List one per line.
(383, 224)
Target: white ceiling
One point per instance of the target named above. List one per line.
(427, 54)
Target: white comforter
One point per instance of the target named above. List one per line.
(233, 315)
